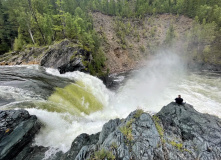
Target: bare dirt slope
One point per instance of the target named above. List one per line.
(141, 37)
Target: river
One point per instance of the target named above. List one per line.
(73, 103)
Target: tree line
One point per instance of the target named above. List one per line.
(40, 22)
(204, 9)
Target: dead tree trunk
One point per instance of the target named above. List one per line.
(36, 20)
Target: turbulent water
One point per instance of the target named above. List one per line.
(75, 103)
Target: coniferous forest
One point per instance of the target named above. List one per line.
(41, 22)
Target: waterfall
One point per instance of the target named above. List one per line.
(73, 103)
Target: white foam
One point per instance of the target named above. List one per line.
(60, 129)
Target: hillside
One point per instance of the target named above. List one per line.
(129, 42)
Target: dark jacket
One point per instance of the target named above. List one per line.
(179, 100)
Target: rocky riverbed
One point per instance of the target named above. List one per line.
(176, 132)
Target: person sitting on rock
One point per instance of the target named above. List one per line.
(179, 100)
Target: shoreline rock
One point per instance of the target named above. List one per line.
(17, 130)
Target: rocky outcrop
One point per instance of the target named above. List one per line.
(17, 129)
(176, 132)
(66, 56)
(189, 134)
(76, 62)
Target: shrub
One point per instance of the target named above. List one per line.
(142, 48)
(159, 128)
(138, 113)
(103, 154)
(17, 44)
(126, 130)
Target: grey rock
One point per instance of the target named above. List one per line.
(58, 54)
(80, 147)
(145, 142)
(73, 65)
(107, 129)
(32, 153)
(17, 130)
(198, 134)
(187, 134)
(67, 57)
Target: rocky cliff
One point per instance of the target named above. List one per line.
(66, 56)
(176, 132)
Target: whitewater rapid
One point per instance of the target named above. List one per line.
(149, 88)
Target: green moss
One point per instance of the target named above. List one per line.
(126, 130)
(186, 150)
(159, 128)
(177, 145)
(103, 154)
(76, 98)
(74, 55)
(114, 145)
(59, 41)
(85, 63)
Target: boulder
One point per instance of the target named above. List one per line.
(74, 65)
(190, 134)
(17, 129)
(58, 54)
(82, 142)
(32, 153)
